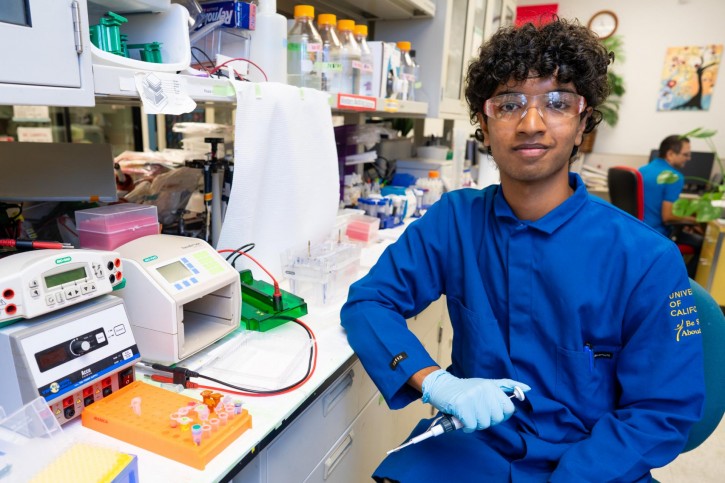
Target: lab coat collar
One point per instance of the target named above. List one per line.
(556, 217)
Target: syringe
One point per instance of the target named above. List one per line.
(447, 423)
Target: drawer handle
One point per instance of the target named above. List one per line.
(342, 449)
(330, 400)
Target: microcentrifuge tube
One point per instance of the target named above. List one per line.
(136, 405)
(206, 430)
(222, 417)
(174, 420)
(202, 412)
(196, 434)
(185, 423)
(238, 407)
(214, 424)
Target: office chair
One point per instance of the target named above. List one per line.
(626, 192)
(712, 324)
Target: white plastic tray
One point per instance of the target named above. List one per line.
(169, 27)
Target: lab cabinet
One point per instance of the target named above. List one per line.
(444, 46)
(46, 54)
(344, 434)
(711, 266)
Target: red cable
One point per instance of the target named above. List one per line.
(32, 244)
(277, 292)
(213, 71)
(194, 385)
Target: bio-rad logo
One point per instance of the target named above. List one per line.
(60, 261)
(150, 259)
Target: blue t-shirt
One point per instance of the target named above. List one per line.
(656, 192)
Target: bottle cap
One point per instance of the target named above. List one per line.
(404, 46)
(326, 19)
(304, 11)
(433, 174)
(345, 25)
(361, 30)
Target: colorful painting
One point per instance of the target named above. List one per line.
(688, 78)
(536, 14)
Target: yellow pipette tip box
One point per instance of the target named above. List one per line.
(85, 463)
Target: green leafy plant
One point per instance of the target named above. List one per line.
(701, 208)
(610, 107)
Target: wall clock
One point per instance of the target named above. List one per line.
(603, 23)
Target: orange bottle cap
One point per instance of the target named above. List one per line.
(433, 174)
(345, 25)
(361, 30)
(326, 19)
(404, 46)
(304, 11)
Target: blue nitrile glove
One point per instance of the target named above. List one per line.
(478, 403)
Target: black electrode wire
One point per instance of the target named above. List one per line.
(295, 385)
(283, 389)
(239, 252)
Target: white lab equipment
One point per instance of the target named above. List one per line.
(268, 48)
(72, 357)
(181, 296)
(37, 282)
(446, 423)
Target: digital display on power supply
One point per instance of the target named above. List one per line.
(65, 277)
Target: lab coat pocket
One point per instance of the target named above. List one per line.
(478, 346)
(586, 381)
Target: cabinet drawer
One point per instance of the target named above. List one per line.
(310, 436)
(360, 449)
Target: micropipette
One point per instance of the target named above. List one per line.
(447, 423)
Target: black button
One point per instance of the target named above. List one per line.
(88, 401)
(107, 391)
(69, 412)
(110, 265)
(112, 278)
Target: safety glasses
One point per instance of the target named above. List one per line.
(552, 106)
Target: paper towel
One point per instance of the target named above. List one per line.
(285, 190)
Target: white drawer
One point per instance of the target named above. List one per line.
(310, 436)
(359, 450)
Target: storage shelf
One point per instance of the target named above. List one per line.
(118, 84)
(366, 10)
(128, 6)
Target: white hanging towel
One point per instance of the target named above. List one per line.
(286, 189)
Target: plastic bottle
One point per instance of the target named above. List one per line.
(432, 186)
(268, 48)
(417, 85)
(304, 46)
(350, 54)
(407, 71)
(366, 61)
(330, 66)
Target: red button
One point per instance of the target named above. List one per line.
(8, 293)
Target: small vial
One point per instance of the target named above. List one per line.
(238, 406)
(202, 412)
(174, 420)
(226, 399)
(214, 424)
(223, 416)
(183, 411)
(185, 423)
(230, 410)
(136, 405)
(171, 387)
(196, 434)
(206, 431)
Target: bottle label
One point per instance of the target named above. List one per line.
(299, 47)
(314, 47)
(294, 47)
(328, 66)
(363, 66)
(409, 77)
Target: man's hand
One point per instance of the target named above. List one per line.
(478, 403)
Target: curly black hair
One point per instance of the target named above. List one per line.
(562, 48)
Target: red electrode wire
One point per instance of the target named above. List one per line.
(277, 292)
(215, 69)
(32, 244)
(194, 385)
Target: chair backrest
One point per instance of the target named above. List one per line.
(626, 190)
(712, 324)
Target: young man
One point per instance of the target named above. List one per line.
(660, 194)
(547, 288)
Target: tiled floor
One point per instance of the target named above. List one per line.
(704, 464)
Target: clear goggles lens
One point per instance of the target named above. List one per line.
(552, 105)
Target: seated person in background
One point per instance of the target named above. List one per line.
(661, 193)
(534, 296)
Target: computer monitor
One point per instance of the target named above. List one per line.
(699, 166)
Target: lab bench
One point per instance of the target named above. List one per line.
(336, 427)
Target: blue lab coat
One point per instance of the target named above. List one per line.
(526, 301)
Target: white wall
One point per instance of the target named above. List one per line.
(648, 28)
